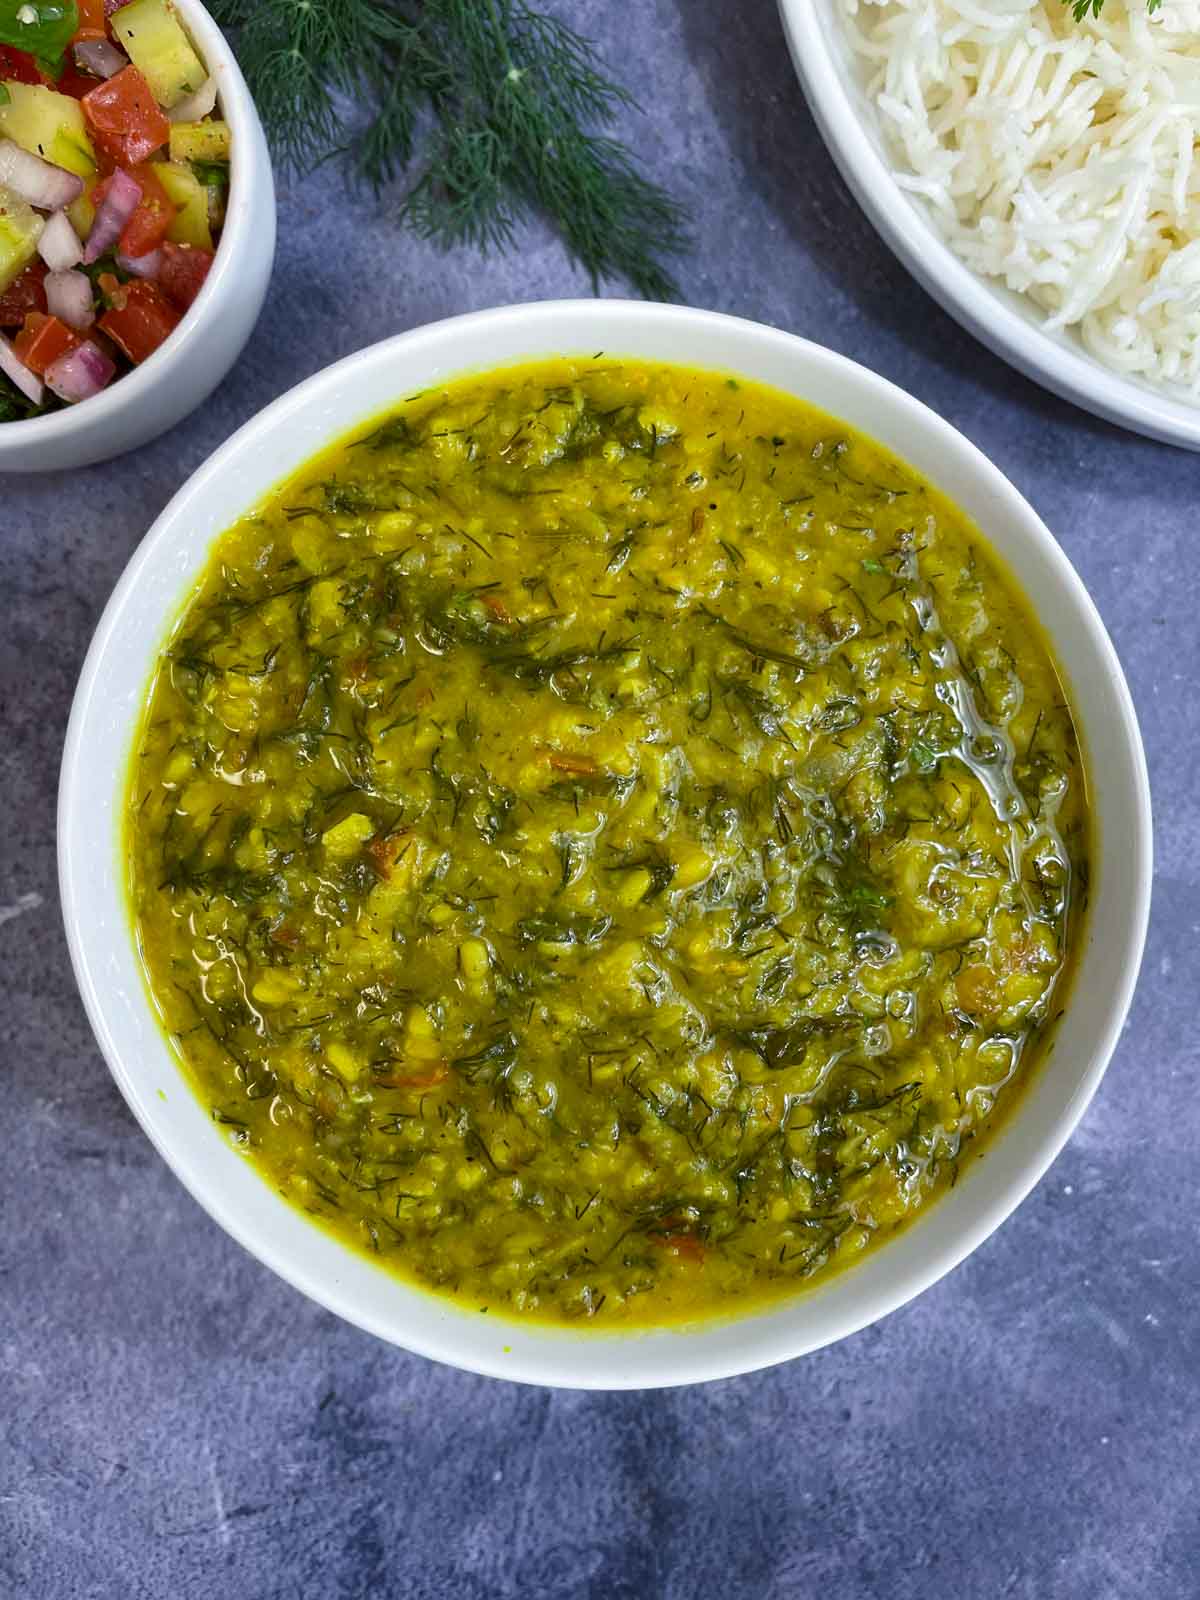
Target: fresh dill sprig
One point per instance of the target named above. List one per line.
(1083, 8)
(518, 105)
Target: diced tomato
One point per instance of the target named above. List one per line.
(93, 20)
(24, 294)
(18, 66)
(140, 318)
(147, 227)
(385, 853)
(564, 761)
(427, 1077)
(42, 340)
(75, 83)
(124, 118)
(677, 1235)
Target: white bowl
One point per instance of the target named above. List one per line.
(112, 692)
(188, 366)
(1008, 323)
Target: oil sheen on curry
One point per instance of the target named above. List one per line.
(607, 839)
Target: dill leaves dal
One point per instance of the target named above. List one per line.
(608, 841)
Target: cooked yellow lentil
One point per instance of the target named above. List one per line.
(607, 840)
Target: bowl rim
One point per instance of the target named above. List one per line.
(690, 1357)
(1058, 362)
(239, 111)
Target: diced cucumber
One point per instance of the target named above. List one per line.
(20, 230)
(200, 141)
(160, 50)
(48, 124)
(190, 198)
(82, 210)
(214, 175)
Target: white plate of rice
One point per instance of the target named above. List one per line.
(1040, 176)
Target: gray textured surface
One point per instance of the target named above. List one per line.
(175, 1421)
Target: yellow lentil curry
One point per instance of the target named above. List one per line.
(607, 839)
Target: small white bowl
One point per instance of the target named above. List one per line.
(188, 366)
(112, 693)
(1008, 323)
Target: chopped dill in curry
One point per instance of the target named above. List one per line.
(607, 839)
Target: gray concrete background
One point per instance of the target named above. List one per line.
(175, 1421)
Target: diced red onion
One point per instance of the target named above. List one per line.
(81, 373)
(122, 200)
(69, 298)
(147, 266)
(59, 246)
(43, 185)
(13, 367)
(197, 106)
(100, 57)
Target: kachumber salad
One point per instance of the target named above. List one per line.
(607, 839)
(114, 172)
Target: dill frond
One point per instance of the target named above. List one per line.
(1084, 8)
(519, 103)
(299, 55)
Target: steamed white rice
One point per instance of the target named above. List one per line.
(1059, 157)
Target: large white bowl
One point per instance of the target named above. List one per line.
(187, 367)
(1008, 323)
(112, 692)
